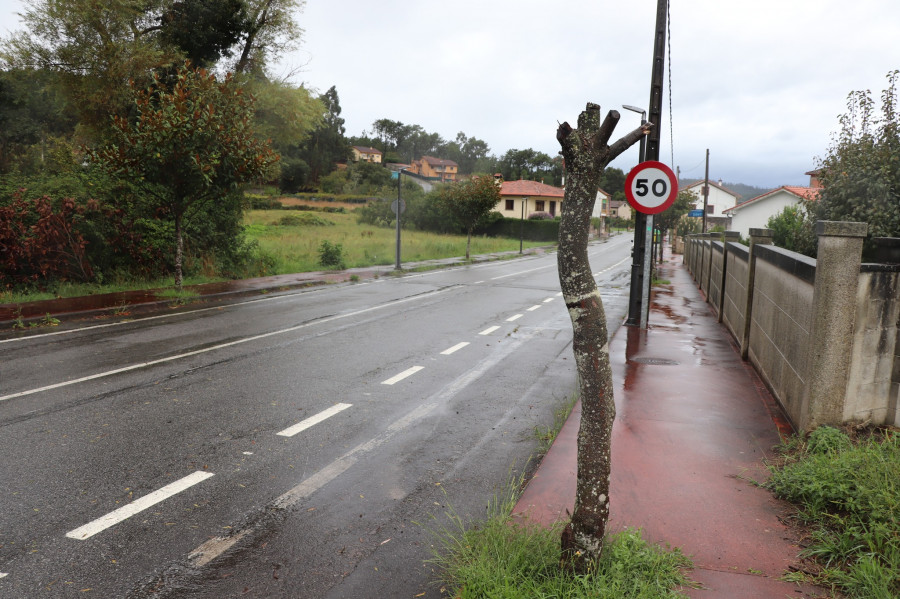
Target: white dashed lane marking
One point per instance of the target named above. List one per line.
(455, 348)
(137, 506)
(533, 308)
(514, 317)
(489, 330)
(402, 375)
(314, 420)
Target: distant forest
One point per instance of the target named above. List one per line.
(747, 192)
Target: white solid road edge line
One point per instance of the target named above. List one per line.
(455, 348)
(403, 375)
(489, 330)
(314, 420)
(100, 524)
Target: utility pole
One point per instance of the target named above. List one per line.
(639, 299)
(706, 190)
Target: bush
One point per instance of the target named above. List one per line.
(540, 216)
(303, 220)
(827, 440)
(331, 255)
(531, 230)
(294, 173)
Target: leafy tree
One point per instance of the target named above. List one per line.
(861, 172)
(467, 152)
(470, 202)
(93, 51)
(792, 229)
(613, 182)
(190, 145)
(326, 145)
(586, 152)
(670, 217)
(269, 32)
(34, 118)
(204, 30)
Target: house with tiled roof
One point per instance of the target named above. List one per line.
(756, 212)
(366, 154)
(438, 169)
(720, 198)
(519, 199)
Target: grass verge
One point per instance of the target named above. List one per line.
(847, 492)
(504, 559)
(547, 435)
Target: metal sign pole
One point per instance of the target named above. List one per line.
(645, 283)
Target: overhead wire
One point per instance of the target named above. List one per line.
(669, 40)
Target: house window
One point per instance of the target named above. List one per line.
(510, 204)
(539, 205)
(710, 209)
(552, 208)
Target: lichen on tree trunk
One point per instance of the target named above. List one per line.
(586, 153)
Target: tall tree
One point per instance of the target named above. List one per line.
(95, 50)
(204, 30)
(269, 32)
(586, 153)
(861, 172)
(326, 145)
(190, 145)
(470, 202)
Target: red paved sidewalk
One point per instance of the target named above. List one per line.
(693, 421)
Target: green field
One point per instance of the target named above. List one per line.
(291, 239)
(295, 247)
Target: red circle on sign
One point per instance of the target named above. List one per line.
(651, 187)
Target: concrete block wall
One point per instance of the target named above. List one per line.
(823, 334)
(780, 324)
(716, 275)
(734, 304)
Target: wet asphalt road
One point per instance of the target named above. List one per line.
(300, 444)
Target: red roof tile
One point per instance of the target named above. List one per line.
(805, 193)
(531, 189)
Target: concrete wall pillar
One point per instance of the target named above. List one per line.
(832, 324)
(757, 237)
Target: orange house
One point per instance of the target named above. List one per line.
(435, 168)
(363, 153)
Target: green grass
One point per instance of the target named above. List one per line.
(295, 247)
(68, 289)
(546, 435)
(848, 492)
(503, 559)
(293, 241)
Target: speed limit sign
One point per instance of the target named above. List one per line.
(651, 187)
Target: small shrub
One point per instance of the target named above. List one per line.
(303, 220)
(826, 440)
(540, 216)
(331, 255)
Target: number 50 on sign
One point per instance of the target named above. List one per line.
(651, 187)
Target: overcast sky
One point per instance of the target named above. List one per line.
(760, 83)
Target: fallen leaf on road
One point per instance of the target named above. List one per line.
(387, 541)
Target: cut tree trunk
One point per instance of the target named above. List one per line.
(586, 154)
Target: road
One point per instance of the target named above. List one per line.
(299, 444)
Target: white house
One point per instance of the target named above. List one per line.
(756, 212)
(601, 205)
(720, 198)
